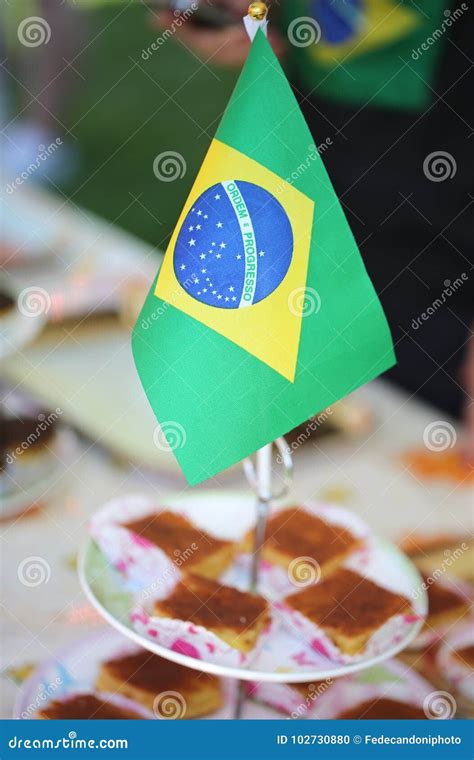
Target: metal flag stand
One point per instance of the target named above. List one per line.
(259, 476)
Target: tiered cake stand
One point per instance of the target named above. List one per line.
(284, 658)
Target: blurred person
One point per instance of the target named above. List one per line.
(390, 83)
(38, 43)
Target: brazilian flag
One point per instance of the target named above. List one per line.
(262, 313)
(376, 53)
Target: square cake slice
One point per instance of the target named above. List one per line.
(383, 709)
(445, 605)
(294, 532)
(190, 547)
(465, 656)
(143, 677)
(236, 617)
(86, 707)
(348, 608)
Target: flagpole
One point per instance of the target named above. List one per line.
(261, 477)
(264, 489)
(262, 482)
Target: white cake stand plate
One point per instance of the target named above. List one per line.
(284, 658)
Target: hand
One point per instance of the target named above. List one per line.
(468, 382)
(226, 46)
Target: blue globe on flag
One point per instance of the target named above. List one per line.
(234, 247)
(339, 23)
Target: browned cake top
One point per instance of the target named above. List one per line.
(383, 709)
(296, 533)
(6, 301)
(419, 546)
(176, 536)
(348, 603)
(86, 707)
(153, 673)
(14, 431)
(466, 655)
(310, 689)
(207, 603)
(442, 599)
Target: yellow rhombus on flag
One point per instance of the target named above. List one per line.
(262, 328)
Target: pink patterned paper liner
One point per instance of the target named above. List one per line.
(288, 700)
(456, 673)
(194, 640)
(143, 565)
(401, 685)
(431, 636)
(146, 567)
(117, 700)
(88, 653)
(329, 698)
(389, 634)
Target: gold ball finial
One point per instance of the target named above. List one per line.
(258, 11)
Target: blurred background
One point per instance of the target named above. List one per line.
(107, 108)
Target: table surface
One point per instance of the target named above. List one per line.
(366, 474)
(38, 621)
